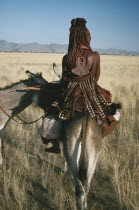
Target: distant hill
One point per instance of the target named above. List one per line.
(32, 47)
(53, 48)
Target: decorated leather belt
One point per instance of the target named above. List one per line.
(79, 79)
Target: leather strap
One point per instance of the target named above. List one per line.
(79, 79)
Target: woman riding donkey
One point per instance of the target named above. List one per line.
(80, 91)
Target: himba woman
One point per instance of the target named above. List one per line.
(81, 71)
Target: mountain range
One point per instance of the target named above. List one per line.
(6, 46)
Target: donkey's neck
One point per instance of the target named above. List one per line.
(15, 98)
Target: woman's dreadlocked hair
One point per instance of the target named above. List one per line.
(79, 35)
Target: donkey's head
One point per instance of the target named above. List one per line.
(36, 77)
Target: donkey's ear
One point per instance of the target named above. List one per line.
(36, 77)
(33, 75)
(57, 71)
(29, 74)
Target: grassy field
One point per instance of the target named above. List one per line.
(33, 179)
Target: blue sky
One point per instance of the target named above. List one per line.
(112, 23)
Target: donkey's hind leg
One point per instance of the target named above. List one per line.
(90, 171)
(90, 152)
(72, 151)
(79, 189)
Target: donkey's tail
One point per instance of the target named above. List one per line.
(83, 161)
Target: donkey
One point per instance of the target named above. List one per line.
(81, 135)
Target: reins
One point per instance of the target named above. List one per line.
(23, 121)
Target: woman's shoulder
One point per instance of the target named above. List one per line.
(91, 55)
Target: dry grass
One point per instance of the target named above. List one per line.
(32, 179)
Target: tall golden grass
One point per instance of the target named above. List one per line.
(33, 179)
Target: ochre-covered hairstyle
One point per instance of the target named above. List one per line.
(79, 35)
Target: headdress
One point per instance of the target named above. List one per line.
(79, 35)
(77, 22)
